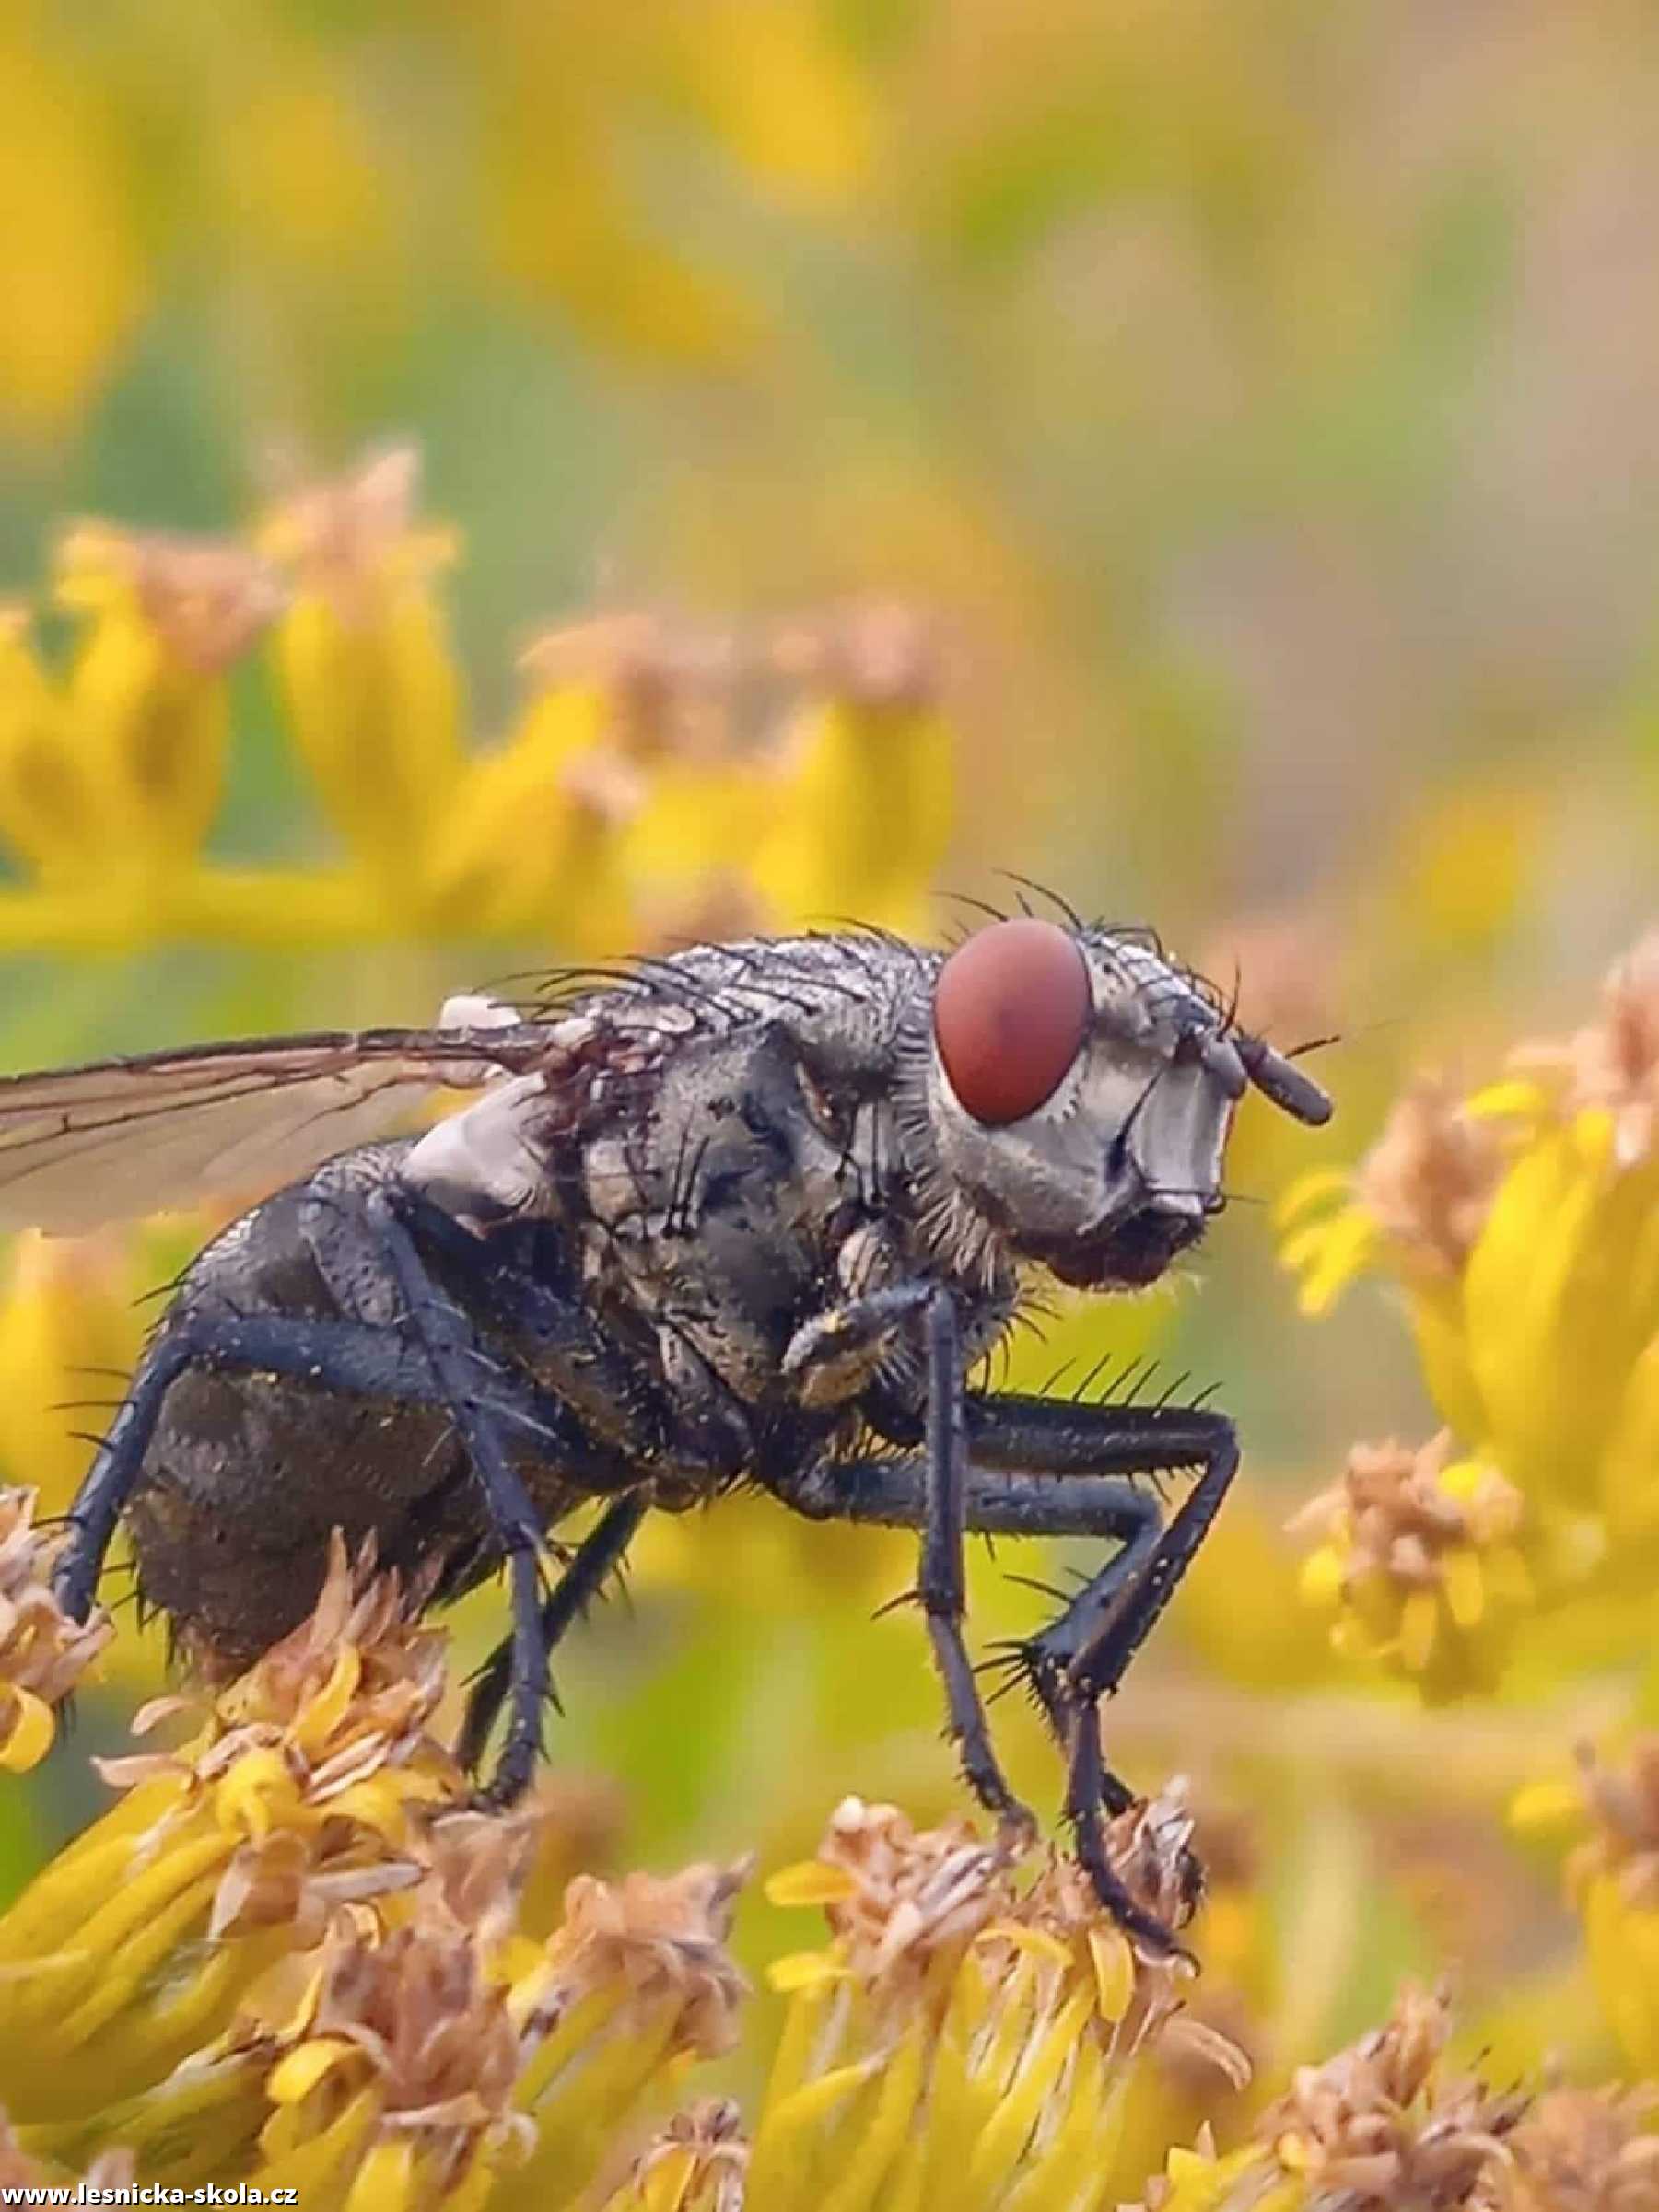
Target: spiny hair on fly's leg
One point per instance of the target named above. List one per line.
(1051, 1590)
(1010, 1663)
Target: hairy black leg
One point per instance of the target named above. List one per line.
(598, 1554)
(608, 1391)
(451, 1348)
(1080, 1658)
(114, 1471)
(1075, 1462)
(1090, 1785)
(351, 1357)
(942, 1585)
(1094, 1639)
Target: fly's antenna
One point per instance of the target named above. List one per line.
(1276, 1078)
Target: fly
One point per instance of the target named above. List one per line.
(747, 1213)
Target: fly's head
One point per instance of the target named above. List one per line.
(1079, 1093)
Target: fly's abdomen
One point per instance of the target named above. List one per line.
(245, 1479)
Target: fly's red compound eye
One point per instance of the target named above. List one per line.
(1010, 1010)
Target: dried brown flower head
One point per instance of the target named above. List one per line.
(661, 1939)
(1581, 2150)
(1380, 2126)
(347, 537)
(207, 599)
(318, 1762)
(1399, 1520)
(1612, 1064)
(911, 1893)
(698, 2162)
(669, 688)
(43, 1653)
(1624, 1803)
(876, 653)
(1428, 1180)
(1150, 1846)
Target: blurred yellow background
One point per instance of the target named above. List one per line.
(1255, 406)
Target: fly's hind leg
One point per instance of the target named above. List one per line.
(428, 1354)
(357, 1358)
(378, 1241)
(1036, 1467)
(599, 1554)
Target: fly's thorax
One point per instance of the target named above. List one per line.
(711, 1210)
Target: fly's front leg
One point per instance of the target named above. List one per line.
(941, 1584)
(1083, 1657)
(1040, 1468)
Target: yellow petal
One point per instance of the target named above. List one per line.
(28, 1738)
(1420, 1628)
(805, 1969)
(1464, 1581)
(248, 1796)
(324, 1713)
(298, 2071)
(1114, 1972)
(812, 1882)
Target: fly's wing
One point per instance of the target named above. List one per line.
(116, 1138)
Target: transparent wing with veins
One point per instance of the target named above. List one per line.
(119, 1138)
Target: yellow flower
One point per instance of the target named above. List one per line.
(47, 803)
(43, 1653)
(1581, 2150)
(697, 2164)
(1382, 2127)
(1523, 1227)
(110, 2170)
(111, 779)
(371, 689)
(393, 2085)
(866, 792)
(1613, 1877)
(536, 836)
(73, 280)
(1417, 1201)
(1420, 1564)
(632, 1985)
(967, 2038)
(662, 782)
(69, 1329)
(424, 2052)
(1611, 1065)
(307, 1785)
(165, 618)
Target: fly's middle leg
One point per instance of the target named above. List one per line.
(599, 1553)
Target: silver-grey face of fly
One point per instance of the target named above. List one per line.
(746, 1213)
